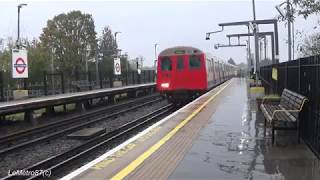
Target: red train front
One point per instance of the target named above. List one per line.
(181, 72)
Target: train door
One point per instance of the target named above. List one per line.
(179, 71)
(197, 78)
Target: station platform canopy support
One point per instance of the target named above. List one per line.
(253, 25)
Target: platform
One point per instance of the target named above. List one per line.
(53, 100)
(218, 136)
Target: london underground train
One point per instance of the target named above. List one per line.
(184, 73)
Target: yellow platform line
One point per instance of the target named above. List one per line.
(134, 164)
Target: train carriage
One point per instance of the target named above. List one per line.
(186, 72)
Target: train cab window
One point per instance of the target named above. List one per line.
(180, 63)
(194, 62)
(166, 64)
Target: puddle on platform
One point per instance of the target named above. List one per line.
(232, 146)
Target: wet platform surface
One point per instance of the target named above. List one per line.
(232, 146)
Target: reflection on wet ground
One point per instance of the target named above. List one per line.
(232, 146)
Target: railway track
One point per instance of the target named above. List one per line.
(70, 124)
(57, 163)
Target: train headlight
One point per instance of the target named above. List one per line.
(164, 85)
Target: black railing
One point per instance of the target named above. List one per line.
(303, 77)
(63, 82)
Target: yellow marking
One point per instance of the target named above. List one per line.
(256, 90)
(134, 164)
(124, 150)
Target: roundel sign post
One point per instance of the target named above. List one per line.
(19, 63)
(117, 66)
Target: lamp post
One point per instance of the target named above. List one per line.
(115, 38)
(19, 7)
(88, 49)
(155, 56)
(155, 51)
(53, 50)
(18, 39)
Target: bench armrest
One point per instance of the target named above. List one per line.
(289, 110)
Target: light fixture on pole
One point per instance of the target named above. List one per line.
(209, 33)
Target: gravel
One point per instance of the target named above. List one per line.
(28, 156)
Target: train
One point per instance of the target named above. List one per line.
(185, 72)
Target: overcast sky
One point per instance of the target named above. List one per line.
(144, 23)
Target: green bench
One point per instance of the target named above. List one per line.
(284, 115)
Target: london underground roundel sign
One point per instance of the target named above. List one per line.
(19, 63)
(117, 66)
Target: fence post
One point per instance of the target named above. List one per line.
(139, 78)
(111, 81)
(127, 78)
(62, 83)
(90, 80)
(1, 86)
(100, 79)
(45, 83)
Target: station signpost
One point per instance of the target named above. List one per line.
(117, 72)
(19, 65)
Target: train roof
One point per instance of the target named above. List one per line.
(180, 50)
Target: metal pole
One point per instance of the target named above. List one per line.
(276, 38)
(289, 30)
(254, 10)
(260, 46)
(52, 71)
(155, 51)
(97, 66)
(256, 40)
(87, 66)
(292, 40)
(272, 48)
(250, 64)
(18, 38)
(265, 47)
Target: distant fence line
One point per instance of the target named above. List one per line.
(58, 83)
(302, 76)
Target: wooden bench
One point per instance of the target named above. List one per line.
(285, 115)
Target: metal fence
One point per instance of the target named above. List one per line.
(60, 83)
(303, 77)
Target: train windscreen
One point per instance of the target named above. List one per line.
(166, 64)
(194, 62)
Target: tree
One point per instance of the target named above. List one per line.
(307, 7)
(108, 49)
(38, 59)
(231, 61)
(311, 45)
(68, 36)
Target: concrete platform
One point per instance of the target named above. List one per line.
(87, 133)
(218, 136)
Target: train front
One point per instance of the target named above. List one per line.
(181, 73)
